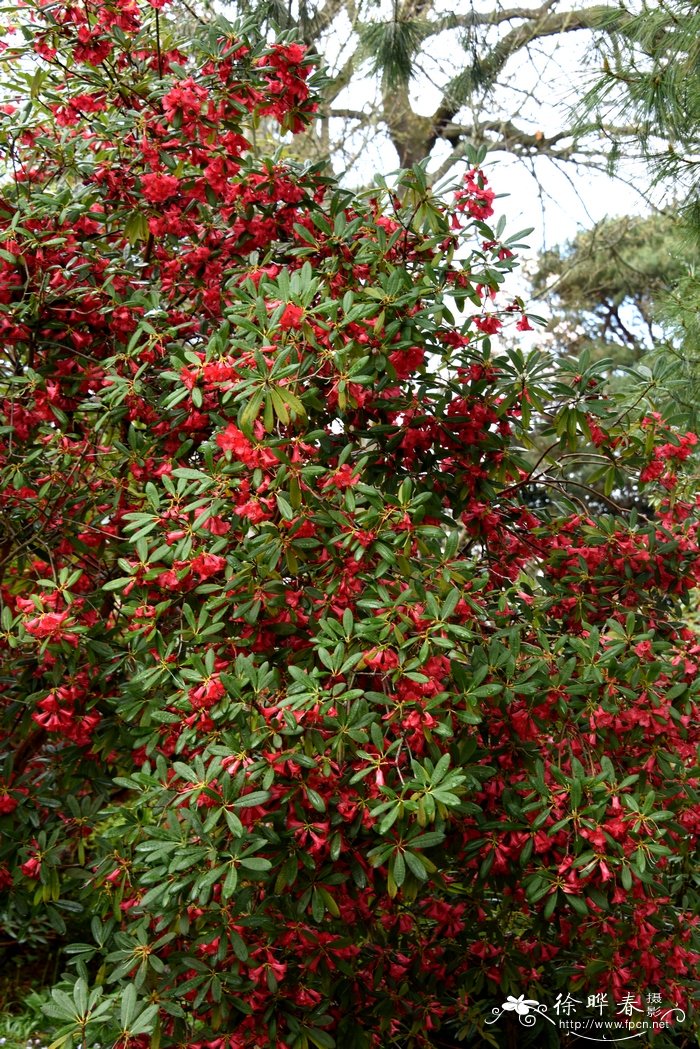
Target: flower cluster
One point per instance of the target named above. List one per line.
(474, 197)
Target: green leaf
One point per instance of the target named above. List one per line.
(321, 1039)
(284, 507)
(550, 906)
(60, 1006)
(230, 882)
(576, 903)
(127, 1009)
(256, 797)
(145, 1021)
(397, 868)
(255, 863)
(117, 584)
(250, 412)
(136, 227)
(415, 865)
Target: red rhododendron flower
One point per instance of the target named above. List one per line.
(7, 802)
(31, 868)
(488, 324)
(292, 317)
(48, 625)
(206, 565)
(158, 188)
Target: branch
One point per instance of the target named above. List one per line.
(321, 20)
(346, 114)
(515, 140)
(413, 9)
(341, 80)
(414, 136)
(488, 18)
(511, 138)
(539, 24)
(410, 133)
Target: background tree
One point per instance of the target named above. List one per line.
(651, 82)
(492, 74)
(605, 287)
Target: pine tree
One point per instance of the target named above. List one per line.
(652, 81)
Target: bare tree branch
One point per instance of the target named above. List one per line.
(322, 20)
(473, 19)
(540, 24)
(503, 136)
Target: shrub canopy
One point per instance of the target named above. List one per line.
(341, 695)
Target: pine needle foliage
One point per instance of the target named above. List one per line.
(392, 47)
(652, 80)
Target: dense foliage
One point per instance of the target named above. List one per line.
(333, 711)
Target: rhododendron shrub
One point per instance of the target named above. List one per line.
(340, 696)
